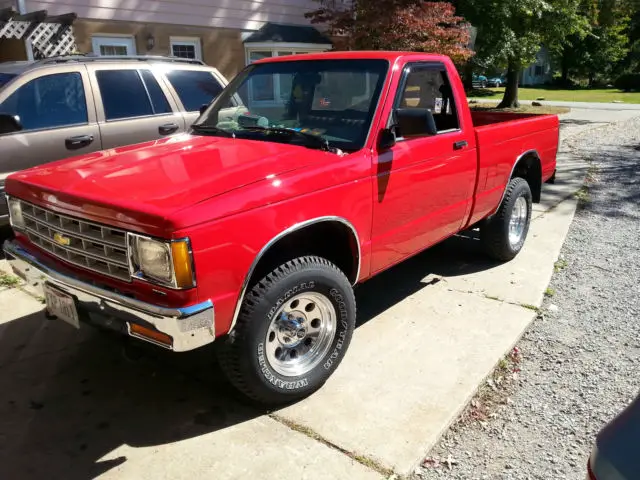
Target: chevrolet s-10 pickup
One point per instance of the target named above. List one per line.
(307, 175)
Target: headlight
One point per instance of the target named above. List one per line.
(166, 263)
(15, 213)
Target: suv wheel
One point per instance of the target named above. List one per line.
(293, 331)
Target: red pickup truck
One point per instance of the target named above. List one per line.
(307, 175)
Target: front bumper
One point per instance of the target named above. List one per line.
(189, 327)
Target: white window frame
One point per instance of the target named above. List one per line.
(108, 39)
(190, 41)
(277, 48)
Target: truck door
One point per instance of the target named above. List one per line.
(424, 183)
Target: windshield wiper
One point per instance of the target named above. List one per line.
(210, 130)
(318, 141)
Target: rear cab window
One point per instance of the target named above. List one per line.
(194, 88)
(130, 94)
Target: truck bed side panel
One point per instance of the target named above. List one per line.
(500, 145)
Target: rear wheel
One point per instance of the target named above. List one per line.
(293, 330)
(504, 234)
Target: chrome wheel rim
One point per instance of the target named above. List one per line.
(518, 221)
(300, 334)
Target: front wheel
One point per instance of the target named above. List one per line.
(294, 328)
(504, 234)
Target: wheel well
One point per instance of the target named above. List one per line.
(529, 167)
(332, 240)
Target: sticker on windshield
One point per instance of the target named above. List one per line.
(438, 106)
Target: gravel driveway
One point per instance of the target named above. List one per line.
(580, 358)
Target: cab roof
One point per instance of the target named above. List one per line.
(390, 56)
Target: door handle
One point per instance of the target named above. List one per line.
(168, 128)
(460, 145)
(79, 141)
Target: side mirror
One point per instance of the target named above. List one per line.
(203, 108)
(386, 139)
(415, 122)
(9, 123)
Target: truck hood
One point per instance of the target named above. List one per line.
(156, 178)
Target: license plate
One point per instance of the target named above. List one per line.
(61, 305)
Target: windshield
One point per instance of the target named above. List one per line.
(5, 78)
(333, 100)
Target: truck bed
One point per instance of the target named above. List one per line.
(481, 119)
(501, 139)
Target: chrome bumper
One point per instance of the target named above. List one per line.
(189, 327)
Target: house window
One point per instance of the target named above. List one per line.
(113, 45)
(275, 89)
(539, 71)
(186, 47)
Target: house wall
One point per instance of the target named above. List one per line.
(231, 14)
(12, 49)
(539, 72)
(221, 48)
(8, 3)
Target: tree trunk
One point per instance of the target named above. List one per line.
(565, 66)
(510, 99)
(467, 76)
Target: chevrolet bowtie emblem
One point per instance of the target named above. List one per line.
(61, 239)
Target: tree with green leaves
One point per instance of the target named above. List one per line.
(597, 54)
(511, 33)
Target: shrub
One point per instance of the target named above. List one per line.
(628, 82)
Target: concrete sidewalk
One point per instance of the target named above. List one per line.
(429, 331)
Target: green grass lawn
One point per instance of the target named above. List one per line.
(603, 95)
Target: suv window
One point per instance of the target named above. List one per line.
(50, 101)
(195, 88)
(5, 78)
(126, 95)
(428, 87)
(158, 100)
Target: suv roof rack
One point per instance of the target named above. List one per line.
(91, 57)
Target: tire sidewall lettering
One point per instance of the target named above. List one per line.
(343, 315)
(275, 380)
(303, 287)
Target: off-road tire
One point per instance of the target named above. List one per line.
(494, 232)
(242, 353)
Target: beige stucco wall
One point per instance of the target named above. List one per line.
(12, 49)
(221, 48)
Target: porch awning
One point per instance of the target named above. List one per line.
(50, 36)
(279, 33)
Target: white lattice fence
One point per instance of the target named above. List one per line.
(13, 29)
(45, 37)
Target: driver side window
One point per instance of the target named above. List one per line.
(50, 101)
(427, 88)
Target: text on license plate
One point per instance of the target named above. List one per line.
(61, 305)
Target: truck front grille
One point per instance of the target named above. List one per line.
(84, 244)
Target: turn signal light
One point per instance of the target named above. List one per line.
(150, 335)
(182, 264)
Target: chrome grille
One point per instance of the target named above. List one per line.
(94, 247)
